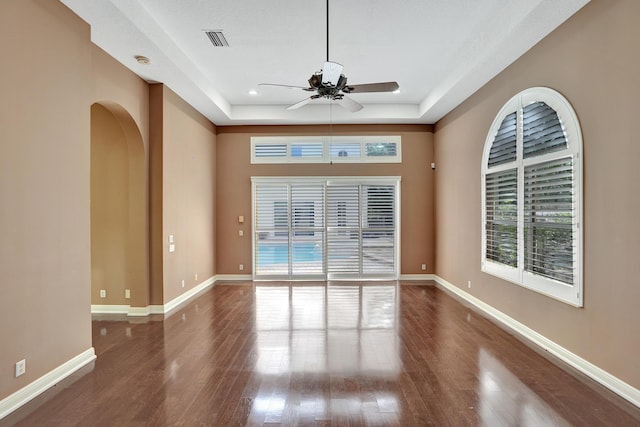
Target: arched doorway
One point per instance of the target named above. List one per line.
(119, 250)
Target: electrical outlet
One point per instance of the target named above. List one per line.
(195, 277)
(241, 267)
(103, 293)
(424, 267)
(240, 233)
(127, 293)
(21, 367)
(469, 284)
(183, 283)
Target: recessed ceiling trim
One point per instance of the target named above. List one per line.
(435, 77)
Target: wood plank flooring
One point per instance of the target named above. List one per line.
(318, 354)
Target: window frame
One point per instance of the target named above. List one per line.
(359, 143)
(570, 294)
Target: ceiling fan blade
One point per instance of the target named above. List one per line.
(299, 104)
(331, 72)
(350, 104)
(287, 86)
(372, 87)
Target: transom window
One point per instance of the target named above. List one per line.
(325, 149)
(531, 195)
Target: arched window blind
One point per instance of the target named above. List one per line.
(531, 195)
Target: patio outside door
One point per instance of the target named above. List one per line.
(321, 228)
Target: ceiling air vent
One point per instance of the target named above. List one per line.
(217, 38)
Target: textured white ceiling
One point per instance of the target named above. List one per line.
(439, 51)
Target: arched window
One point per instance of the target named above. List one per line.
(532, 195)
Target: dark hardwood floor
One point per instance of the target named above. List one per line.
(312, 354)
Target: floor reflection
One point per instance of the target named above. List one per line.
(341, 329)
(505, 400)
(357, 354)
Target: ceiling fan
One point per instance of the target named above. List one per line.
(330, 83)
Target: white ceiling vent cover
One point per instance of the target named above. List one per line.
(217, 38)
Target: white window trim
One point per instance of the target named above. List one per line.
(573, 295)
(326, 142)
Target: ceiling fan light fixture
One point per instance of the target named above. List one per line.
(331, 72)
(315, 80)
(330, 83)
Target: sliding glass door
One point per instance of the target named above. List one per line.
(320, 228)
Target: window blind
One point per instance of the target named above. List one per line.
(271, 229)
(323, 149)
(343, 233)
(335, 229)
(307, 229)
(307, 150)
(381, 149)
(501, 217)
(270, 150)
(344, 149)
(549, 214)
(542, 131)
(532, 208)
(503, 148)
(378, 228)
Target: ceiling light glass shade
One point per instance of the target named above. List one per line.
(331, 72)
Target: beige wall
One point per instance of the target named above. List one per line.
(234, 173)
(48, 85)
(126, 96)
(184, 146)
(109, 208)
(44, 188)
(592, 60)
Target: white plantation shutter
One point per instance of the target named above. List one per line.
(532, 186)
(271, 229)
(307, 229)
(307, 150)
(270, 150)
(550, 248)
(326, 149)
(378, 229)
(318, 228)
(503, 148)
(501, 215)
(380, 149)
(344, 151)
(542, 131)
(343, 231)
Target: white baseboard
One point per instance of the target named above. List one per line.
(417, 277)
(109, 309)
(234, 277)
(613, 383)
(154, 309)
(145, 311)
(42, 384)
(127, 309)
(191, 293)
